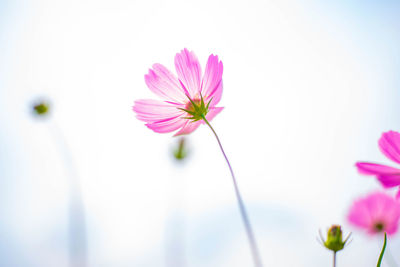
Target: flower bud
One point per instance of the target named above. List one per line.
(334, 240)
(41, 108)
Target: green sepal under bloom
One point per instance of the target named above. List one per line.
(334, 240)
(197, 109)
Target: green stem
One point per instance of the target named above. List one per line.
(382, 252)
(334, 259)
(243, 212)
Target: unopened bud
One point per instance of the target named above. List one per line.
(41, 108)
(334, 240)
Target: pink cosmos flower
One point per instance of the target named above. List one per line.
(389, 144)
(184, 98)
(376, 213)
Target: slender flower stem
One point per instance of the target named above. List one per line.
(334, 259)
(77, 232)
(390, 260)
(382, 252)
(243, 212)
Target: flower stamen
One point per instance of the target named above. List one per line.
(379, 227)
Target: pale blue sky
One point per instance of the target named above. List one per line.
(308, 89)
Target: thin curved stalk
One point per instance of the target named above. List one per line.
(77, 232)
(382, 252)
(243, 212)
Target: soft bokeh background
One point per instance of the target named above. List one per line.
(309, 86)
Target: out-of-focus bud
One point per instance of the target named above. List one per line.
(334, 240)
(41, 108)
(180, 152)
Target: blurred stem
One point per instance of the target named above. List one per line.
(334, 259)
(175, 228)
(243, 212)
(77, 232)
(382, 252)
(390, 260)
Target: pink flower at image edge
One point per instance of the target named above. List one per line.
(376, 213)
(166, 115)
(389, 144)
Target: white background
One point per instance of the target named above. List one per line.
(308, 89)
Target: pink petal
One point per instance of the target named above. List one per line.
(213, 111)
(391, 228)
(150, 110)
(212, 80)
(359, 214)
(398, 195)
(390, 214)
(378, 204)
(389, 143)
(389, 181)
(189, 127)
(166, 126)
(375, 208)
(375, 169)
(164, 84)
(189, 72)
(388, 176)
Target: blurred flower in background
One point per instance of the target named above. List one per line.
(76, 222)
(41, 108)
(376, 213)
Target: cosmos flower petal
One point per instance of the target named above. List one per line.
(359, 214)
(188, 127)
(398, 194)
(392, 228)
(387, 176)
(217, 95)
(182, 107)
(389, 143)
(388, 180)
(376, 209)
(214, 111)
(149, 110)
(212, 80)
(164, 84)
(377, 204)
(166, 126)
(387, 212)
(189, 72)
(368, 168)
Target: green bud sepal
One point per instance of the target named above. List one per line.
(196, 108)
(334, 240)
